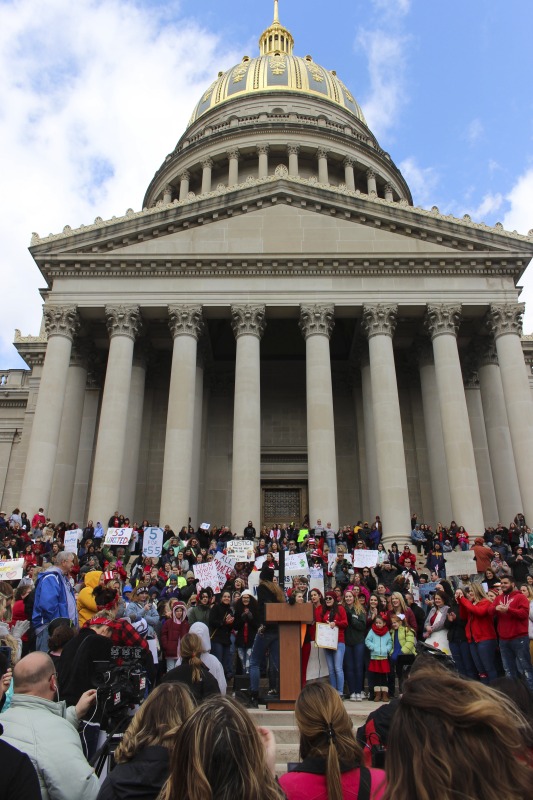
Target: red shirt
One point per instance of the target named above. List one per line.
(480, 622)
(512, 624)
(340, 619)
(310, 786)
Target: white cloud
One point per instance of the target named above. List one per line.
(93, 95)
(386, 54)
(393, 7)
(519, 217)
(474, 131)
(490, 204)
(421, 180)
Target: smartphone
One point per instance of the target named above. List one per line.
(6, 652)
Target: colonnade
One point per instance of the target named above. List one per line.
(452, 439)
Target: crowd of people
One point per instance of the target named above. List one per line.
(80, 623)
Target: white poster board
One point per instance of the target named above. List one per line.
(326, 636)
(118, 536)
(365, 558)
(460, 563)
(205, 526)
(153, 542)
(207, 576)
(225, 567)
(296, 564)
(71, 541)
(241, 550)
(12, 570)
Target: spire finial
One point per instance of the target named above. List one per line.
(276, 39)
(276, 11)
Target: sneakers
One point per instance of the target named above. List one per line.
(354, 697)
(359, 698)
(272, 693)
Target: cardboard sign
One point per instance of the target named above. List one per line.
(241, 550)
(12, 570)
(296, 564)
(205, 526)
(118, 536)
(326, 637)
(153, 542)
(71, 541)
(365, 558)
(207, 576)
(460, 563)
(224, 565)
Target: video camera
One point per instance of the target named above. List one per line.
(119, 687)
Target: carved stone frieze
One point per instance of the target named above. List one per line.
(61, 321)
(505, 318)
(379, 319)
(248, 320)
(317, 320)
(442, 318)
(123, 321)
(185, 321)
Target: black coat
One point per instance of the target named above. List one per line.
(142, 778)
(19, 779)
(201, 689)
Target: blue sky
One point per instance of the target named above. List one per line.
(93, 94)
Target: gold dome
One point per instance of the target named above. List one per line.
(276, 69)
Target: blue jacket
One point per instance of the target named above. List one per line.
(379, 646)
(51, 598)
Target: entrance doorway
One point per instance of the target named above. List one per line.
(283, 502)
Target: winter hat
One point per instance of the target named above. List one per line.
(141, 626)
(331, 594)
(248, 592)
(190, 574)
(173, 578)
(127, 588)
(316, 554)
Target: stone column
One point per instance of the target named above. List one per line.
(374, 499)
(378, 324)
(233, 171)
(438, 471)
(167, 194)
(442, 322)
(499, 442)
(293, 150)
(481, 448)
(316, 325)
(128, 484)
(389, 195)
(262, 150)
(184, 187)
(61, 324)
(123, 325)
(198, 430)
(248, 323)
(207, 167)
(322, 156)
(505, 322)
(349, 178)
(186, 324)
(69, 437)
(371, 182)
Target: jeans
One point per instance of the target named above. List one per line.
(269, 640)
(354, 667)
(223, 653)
(334, 659)
(463, 660)
(516, 658)
(483, 655)
(330, 541)
(41, 640)
(244, 655)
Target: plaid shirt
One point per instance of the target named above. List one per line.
(123, 636)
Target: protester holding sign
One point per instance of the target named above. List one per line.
(335, 616)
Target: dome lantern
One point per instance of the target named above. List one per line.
(276, 40)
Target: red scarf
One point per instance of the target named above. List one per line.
(379, 631)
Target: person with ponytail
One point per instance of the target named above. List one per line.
(267, 637)
(331, 766)
(142, 757)
(192, 671)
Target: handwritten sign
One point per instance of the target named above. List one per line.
(118, 536)
(296, 564)
(224, 565)
(71, 541)
(365, 558)
(326, 637)
(12, 570)
(153, 542)
(205, 526)
(207, 576)
(461, 563)
(241, 550)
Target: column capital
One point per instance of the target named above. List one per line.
(379, 320)
(370, 173)
(185, 321)
(293, 149)
(442, 318)
(167, 188)
(485, 352)
(505, 318)
(61, 321)
(317, 320)
(207, 163)
(388, 187)
(234, 153)
(322, 152)
(123, 321)
(348, 161)
(185, 175)
(248, 320)
(263, 149)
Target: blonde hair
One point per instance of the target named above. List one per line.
(529, 590)
(157, 721)
(326, 732)
(452, 723)
(219, 755)
(478, 592)
(191, 651)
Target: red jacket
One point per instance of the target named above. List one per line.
(305, 785)
(171, 635)
(341, 620)
(480, 622)
(512, 624)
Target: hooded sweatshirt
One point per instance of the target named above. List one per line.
(85, 602)
(212, 663)
(512, 624)
(173, 632)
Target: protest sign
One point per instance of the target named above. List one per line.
(71, 541)
(302, 535)
(153, 542)
(205, 526)
(326, 637)
(207, 576)
(425, 589)
(241, 550)
(118, 536)
(365, 558)
(296, 564)
(12, 570)
(461, 563)
(224, 565)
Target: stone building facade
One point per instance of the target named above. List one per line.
(278, 331)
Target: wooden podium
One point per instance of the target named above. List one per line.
(290, 619)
